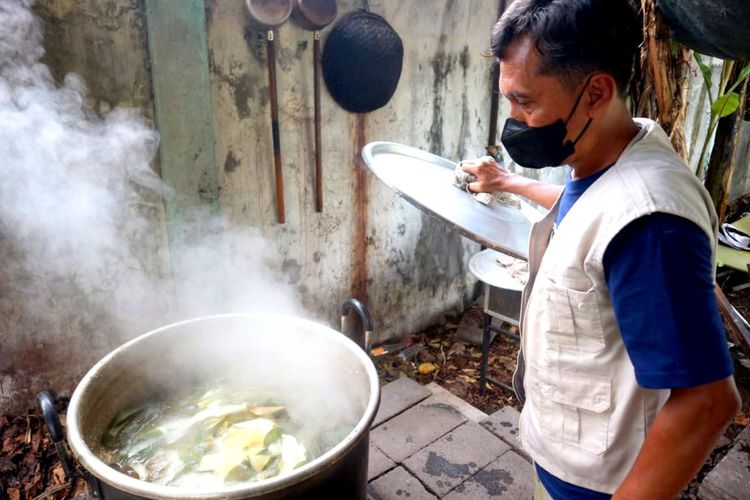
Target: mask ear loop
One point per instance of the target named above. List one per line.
(575, 106)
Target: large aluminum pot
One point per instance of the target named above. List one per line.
(329, 374)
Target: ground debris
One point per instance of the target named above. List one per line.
(457, 364)
(29, 466)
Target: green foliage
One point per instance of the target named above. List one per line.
(705, 70)
(744, 73)
(674, 45)
(725, 105)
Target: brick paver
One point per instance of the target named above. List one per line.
(510, 476)
(398, 396)
(427, 443)
(379, 463)
(398, 485)
(445, 396)
(414, 429)
(730, 479)
(504, 424)
(455, 457)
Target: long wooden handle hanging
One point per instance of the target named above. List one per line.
(275, 128)
(492, 147)
(316, 99)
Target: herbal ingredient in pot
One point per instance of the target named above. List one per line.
(216, 438)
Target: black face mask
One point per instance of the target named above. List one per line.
(539, 147)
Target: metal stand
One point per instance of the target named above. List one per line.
(502, 301)
(486, 335)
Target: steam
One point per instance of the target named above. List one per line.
(82, 232)
(82, 203)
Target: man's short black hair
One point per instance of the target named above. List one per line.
(574, 37)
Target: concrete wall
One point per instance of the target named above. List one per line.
(55, 326)
(415, 268)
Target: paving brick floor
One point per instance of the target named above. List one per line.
(427, 443)
(730, 480)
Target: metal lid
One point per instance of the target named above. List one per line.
(426, 181)
(485, 267)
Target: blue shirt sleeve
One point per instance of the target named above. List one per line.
(660, 276)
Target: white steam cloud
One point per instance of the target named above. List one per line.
(84, 259)
(81, 208)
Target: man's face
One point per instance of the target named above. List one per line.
(536, 99)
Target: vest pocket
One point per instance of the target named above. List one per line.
(574, 409)
(574, 322)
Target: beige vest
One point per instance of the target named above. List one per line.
(585, 417)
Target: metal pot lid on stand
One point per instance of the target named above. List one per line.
(485, 267)
(426, 181)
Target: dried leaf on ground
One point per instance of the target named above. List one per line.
(427, 368)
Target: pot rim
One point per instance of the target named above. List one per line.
(123, 482)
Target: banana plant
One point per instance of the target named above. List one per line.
(724, 104)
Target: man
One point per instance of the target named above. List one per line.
(627, 378)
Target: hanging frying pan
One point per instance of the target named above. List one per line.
(270, 14)
(362, 62)
(315, 15)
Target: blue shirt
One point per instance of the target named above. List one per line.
(659, 273)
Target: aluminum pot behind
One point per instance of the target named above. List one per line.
(282, 352)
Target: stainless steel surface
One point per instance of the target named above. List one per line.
(485, 267)
(502, 304)
(256, 348)
(269, 13)
(425, 180)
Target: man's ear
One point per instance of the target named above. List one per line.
(601, 91)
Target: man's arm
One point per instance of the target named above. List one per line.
(492, 178)
(680, 440)
(659, 270)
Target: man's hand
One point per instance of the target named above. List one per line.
(492, 178)
(680, 440)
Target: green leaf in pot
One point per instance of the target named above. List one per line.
(272, 436)
(110, 438)
(240, 472)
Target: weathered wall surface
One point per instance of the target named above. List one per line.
(414, 268)
(55, 326)
(105, 43)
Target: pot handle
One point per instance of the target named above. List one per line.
(52, 421)
(363, 337)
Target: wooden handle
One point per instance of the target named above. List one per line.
(275, 128)
(316, 99)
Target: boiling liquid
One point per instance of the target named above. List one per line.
(213, 438)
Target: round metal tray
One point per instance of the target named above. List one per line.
(485, 267)
(426, 181)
